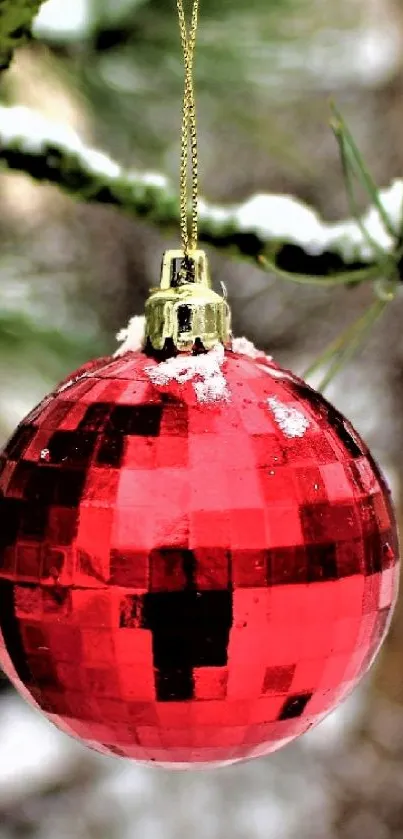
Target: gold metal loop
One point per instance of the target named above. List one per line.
(189, 226)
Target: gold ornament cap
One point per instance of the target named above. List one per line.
(184, 312)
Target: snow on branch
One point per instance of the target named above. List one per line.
(16, 19)
(276, 224)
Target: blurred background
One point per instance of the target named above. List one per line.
(71, 276)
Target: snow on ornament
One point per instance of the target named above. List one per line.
(292, 422)
(198, 554)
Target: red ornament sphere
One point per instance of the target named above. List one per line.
(198, 558)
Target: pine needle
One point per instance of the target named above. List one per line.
(342, 278)
(345, 138)
(342, 349)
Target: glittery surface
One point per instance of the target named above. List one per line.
(190, 582)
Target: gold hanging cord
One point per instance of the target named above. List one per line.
(185, 314)
(189, 226)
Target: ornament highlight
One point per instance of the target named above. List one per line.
(198, 554)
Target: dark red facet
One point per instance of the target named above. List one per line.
(191, 582)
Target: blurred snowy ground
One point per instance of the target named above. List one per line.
(50, 784)
(51, 787)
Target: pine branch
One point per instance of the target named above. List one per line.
(16, 18)
(289, 232)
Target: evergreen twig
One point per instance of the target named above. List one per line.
(322, 253)
(341, 350)
(52, 153)
(16, 18)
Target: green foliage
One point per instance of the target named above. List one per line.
(53, 352)
(130, 69)
(16, 17)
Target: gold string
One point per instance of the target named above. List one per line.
(189, 226)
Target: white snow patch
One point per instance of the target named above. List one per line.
(392, 201)
(132, 336)
(32, 130)
(211, 389)
(281, 213)
(68, 20)
(276, 372)
(245, 347)
(284, 218)
(214, 213)
(291, 421)
(154, 179)
(35, 132)
(100, 164)
(209, 382)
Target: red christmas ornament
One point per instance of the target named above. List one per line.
(199, 556)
